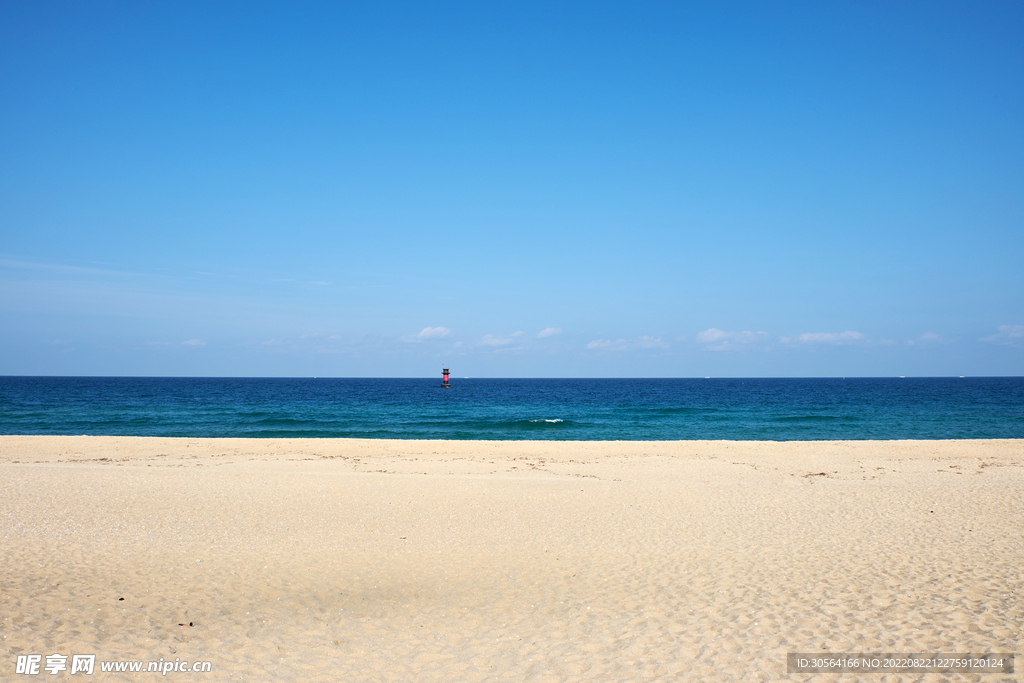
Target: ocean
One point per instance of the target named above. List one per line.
(513, 409)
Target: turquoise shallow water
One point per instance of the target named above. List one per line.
(509, 409)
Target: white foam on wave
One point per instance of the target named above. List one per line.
(555, 420)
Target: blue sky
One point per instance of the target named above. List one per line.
(512, 189)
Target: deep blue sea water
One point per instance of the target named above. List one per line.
(509, 409)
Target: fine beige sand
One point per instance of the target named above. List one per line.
(352, 560)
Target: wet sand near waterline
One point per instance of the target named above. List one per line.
(371, 560)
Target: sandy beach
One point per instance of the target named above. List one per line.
(371, 560)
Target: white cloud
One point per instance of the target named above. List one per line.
(824, 338)
(711, 335)
(720, 340)
(499, 345)
(1008, 335)
(491, 340)
(651, 343)
(548, 331)
(924, 338)
(627, 344)
(433, 332)
(8, 263)
(194, 343)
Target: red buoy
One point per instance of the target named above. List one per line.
(444, 382)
